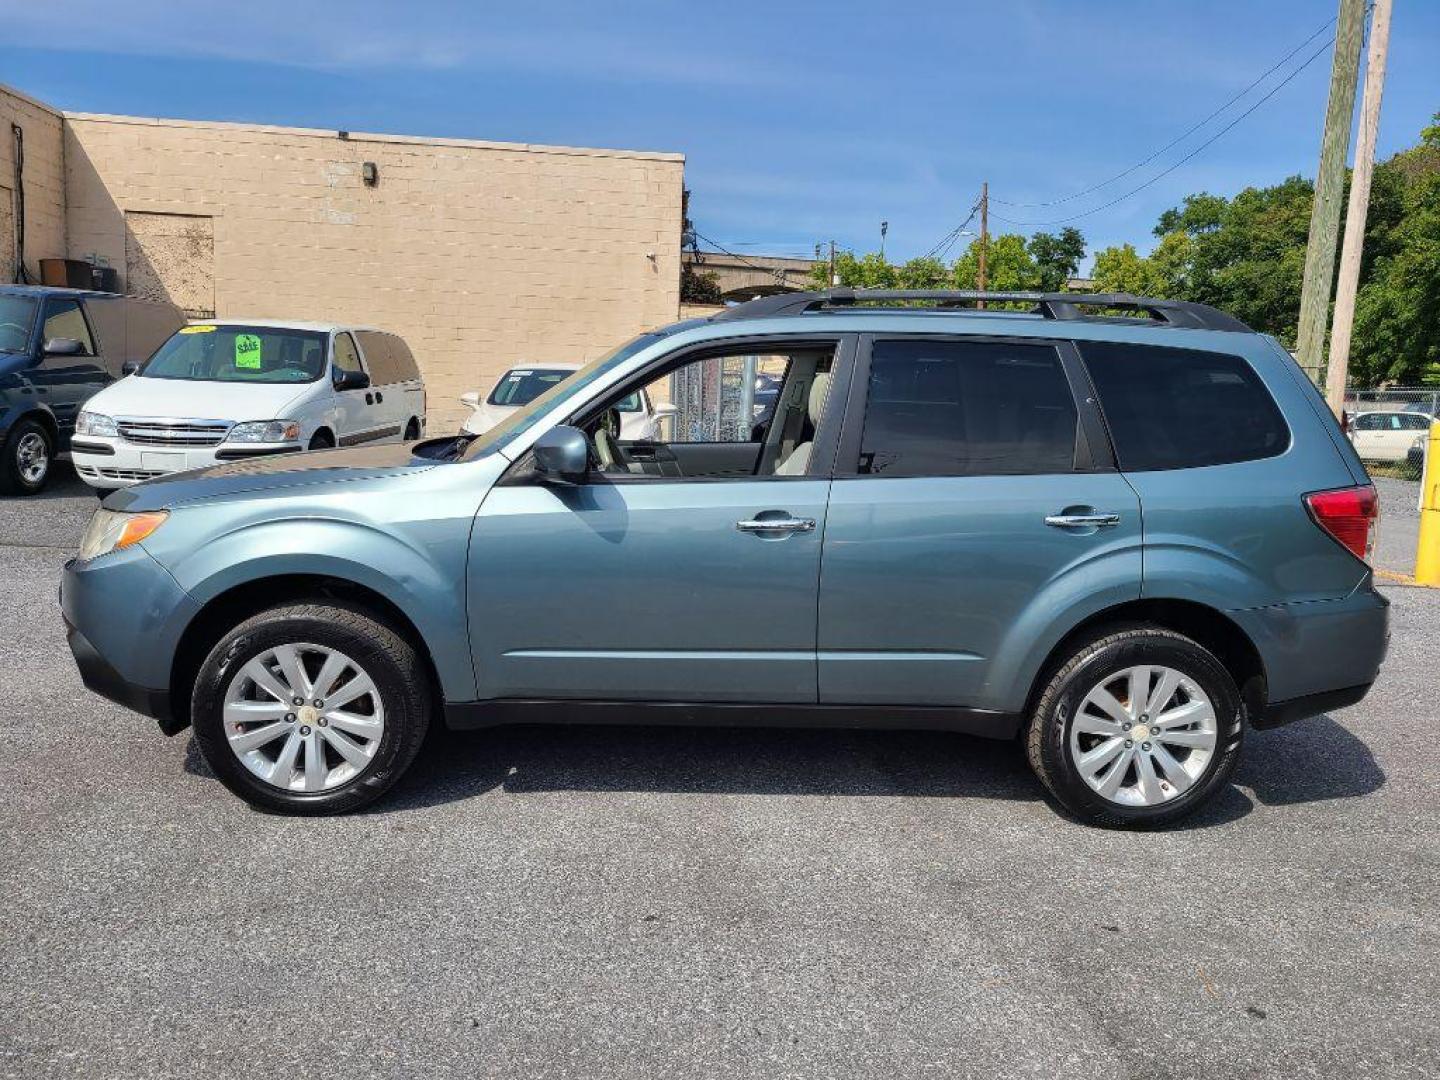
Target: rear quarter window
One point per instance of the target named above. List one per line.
(1171, 408)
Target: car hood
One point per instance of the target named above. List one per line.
(486, 417)
(271, 472)
(186, 399)
(12, 361)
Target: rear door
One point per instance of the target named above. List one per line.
(387, 382)
(974, 500)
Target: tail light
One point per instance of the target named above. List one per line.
(1350, 515)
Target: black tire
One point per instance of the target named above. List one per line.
(412, 430)
(322, 440)
(17, 477)
(100, 493)
(392, 663)
(1048, 737)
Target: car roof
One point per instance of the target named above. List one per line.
(38, 291)
(544, 365)
(290, 324)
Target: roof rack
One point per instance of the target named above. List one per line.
(1060, 306)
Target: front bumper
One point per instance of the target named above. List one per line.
(114, 463)
(124, 615)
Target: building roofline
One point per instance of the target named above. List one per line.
(6, 88)
(365, 136)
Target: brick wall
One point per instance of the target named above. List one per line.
(44, 183)
(482, 255)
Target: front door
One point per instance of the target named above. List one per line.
(66, 382)
(354, 409)
(680, 571)
(973, 512)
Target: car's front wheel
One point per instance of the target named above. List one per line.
(311, 708)
(25, 458)
(1136, 728)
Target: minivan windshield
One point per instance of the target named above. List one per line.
(240, 354)
(518, 422)
(17, 319)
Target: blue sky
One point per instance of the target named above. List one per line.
(801, 122)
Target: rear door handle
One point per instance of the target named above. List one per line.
(793, 525)
(1083, 521)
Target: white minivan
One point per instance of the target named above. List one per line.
(228, 389)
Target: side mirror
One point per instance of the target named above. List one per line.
(471, 400)
(63, 346)
(350, 380)
(562, 455)
(666, 408)
(129, 367)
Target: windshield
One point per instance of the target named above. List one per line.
(240, 354)
(520, 386)
(518, 422)
(17, 317)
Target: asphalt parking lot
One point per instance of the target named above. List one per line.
(616, 902)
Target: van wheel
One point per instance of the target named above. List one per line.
(1137, 728)
(311, 708)
(322, 440)
(412, 430)
(25, 458)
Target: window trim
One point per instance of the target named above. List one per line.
(79, 303)
(1093, 452)
(827, 432)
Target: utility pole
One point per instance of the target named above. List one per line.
(834, 278)
(884, 228)
(1329, 187)
(984, 236)
(1338, 371)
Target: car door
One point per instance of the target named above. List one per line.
(388, 405)
(66, 382)
(973, 497)
(693, 587)
(354, 409)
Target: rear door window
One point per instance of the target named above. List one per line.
(387, 357)
(967, 408)
(1182, 408)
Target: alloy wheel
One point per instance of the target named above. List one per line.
(1144, 735)
(303, 717)
(32, 456)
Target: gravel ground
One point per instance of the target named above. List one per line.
(691, 903)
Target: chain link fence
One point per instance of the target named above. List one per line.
(1390, 427)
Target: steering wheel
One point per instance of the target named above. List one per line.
(606, 436)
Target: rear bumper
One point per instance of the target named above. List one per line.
(1285, 712)
(1320, 655)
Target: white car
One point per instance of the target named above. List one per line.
(639, 417)
(229, 389)
(1387, 434)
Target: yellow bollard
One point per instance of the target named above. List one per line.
(1427, 557)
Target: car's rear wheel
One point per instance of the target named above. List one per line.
(1137, 728)
(412, 430)
(311, 708)
(25, 458)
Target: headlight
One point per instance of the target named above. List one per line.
(112, 530)
(265, 431)
(94, 423)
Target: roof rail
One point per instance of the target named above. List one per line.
(1061, 306)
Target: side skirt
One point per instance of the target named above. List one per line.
(467, 715)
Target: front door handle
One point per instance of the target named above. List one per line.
(789, 525)
(1083, 521)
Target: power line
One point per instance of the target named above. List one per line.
(1182, 137)
(1161, 175)
(946, 241)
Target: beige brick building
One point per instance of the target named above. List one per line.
(480, 254)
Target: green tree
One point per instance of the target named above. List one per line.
(1056, 257)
